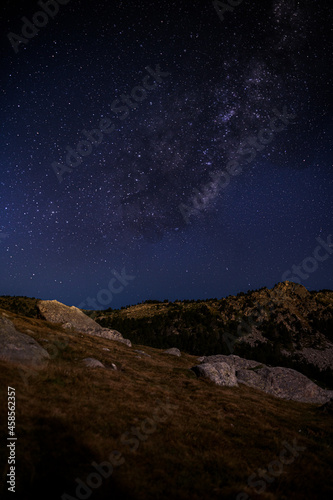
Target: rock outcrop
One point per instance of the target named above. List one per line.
(284, 383)
(74, 318)
(235, 361)
(289, 316)
(281, 382)
(220, 373)
(20, 348)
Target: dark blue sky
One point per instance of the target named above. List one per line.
(182, 100)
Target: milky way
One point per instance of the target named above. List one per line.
(120, 205)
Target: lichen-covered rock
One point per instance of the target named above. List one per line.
(68, 317)
(232, 360)
(74, 318)
(20, 348)
(173, 350)
(219, 372)
(281, 382)
(111, 335)
(284, 383)
(92, 363)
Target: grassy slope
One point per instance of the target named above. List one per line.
(68, 416)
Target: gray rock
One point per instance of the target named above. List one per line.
(232, 360)
(111, 335)
(74, 318)
(219, 372)
(68, 317)
(281, 382)
(284, 383)
(173, 350)
(20, 348)
(92, 363)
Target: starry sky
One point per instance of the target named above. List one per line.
(164, 150)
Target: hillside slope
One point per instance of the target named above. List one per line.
(168, 434)
(286, 326)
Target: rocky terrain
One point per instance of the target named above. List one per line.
(221, 369)
(286, 325)
(281, 382)
(201, 426)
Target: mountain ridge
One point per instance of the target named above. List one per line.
(285, 325)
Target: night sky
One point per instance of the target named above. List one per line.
(209, 171)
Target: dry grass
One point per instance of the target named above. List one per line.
(68, 416)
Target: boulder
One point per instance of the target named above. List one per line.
(68, 317)
(281, 382)
(19, 347)
(92, 363)
(284, 383)
(74, 318)
(220, 373)
(173, 350)
(106, 333)
(232, 360)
